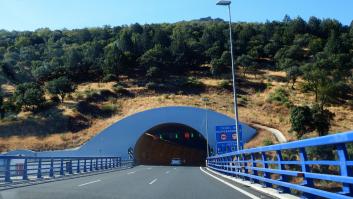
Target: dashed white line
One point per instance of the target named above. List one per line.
(167, 172)
(89, 183)
(153, 181)
(149, 168)
(230, 185)
(131, 172)
(174, 168)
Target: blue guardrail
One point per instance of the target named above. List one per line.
(312, 168)
(18, 168)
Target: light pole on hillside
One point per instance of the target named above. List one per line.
(227, 3)
(205, 99)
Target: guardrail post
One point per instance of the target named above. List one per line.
(62, 167)
(245, 165)
(102, 164)
(25, 172)
(282, 178)
(265, 165)
(51, 171)
(78, 169)
(85, 165)
(223, 165)
(308, 182)
(344, 170)
(8, 170)
(239, 166)
(119, 162)
(71, 167)
(96, 164)
(39, 172)
(91, 165)
(253, 165)
(110, 162)
(106, 163)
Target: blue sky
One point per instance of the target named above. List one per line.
(58, 14)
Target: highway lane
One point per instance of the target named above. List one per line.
(145, 182)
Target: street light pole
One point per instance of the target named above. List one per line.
(236, 117)
(206, 125)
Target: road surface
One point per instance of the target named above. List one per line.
(141, 182)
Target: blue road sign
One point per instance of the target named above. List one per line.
(226, 138)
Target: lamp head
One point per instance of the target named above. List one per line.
(224, 3)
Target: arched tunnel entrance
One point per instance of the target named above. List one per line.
(162, 143)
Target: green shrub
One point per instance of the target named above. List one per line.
(55, 99)
(152, 85)
(109, 78)
(279, 96)
(120, 90)
(225, 84)
(192, 82)
(268, 85)
(110, 109)
(267, 142)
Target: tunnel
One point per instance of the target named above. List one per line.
(162, 143)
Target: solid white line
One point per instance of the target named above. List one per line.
(153, 181)
(89, 183)
(131, 172)
(167, 172)
(230, 185)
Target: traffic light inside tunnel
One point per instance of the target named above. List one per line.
(161, 144)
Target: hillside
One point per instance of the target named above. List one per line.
(24, 132)
(61, 87)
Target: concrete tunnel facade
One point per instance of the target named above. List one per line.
(124, 134)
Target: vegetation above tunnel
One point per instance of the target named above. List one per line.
(55, 62)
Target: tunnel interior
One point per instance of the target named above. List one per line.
(162, 143)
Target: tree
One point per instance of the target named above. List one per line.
(60, 86)
(321, 120)
(73, 60)
(155, 61)
(293, 72)
(315, 45)
(217, 66)
(301, 120)
(314, 26)
(2, 109)
(270, 49)
(322, 82)
(29, 96)
(246, 62)
(114, 60)
(333, 44)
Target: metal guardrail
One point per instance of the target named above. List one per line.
(271, 166)
(18, 168)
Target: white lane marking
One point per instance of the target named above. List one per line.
(167, 172)
(149, 168)
(89, 183)
(174, 168)
(232, 186)
(153, 181)
(131, 172)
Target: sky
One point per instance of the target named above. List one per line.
(71, 14)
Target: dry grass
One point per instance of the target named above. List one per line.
(253, 109)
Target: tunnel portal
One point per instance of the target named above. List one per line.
(162, 143)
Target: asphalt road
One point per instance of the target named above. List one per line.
(142, 182)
